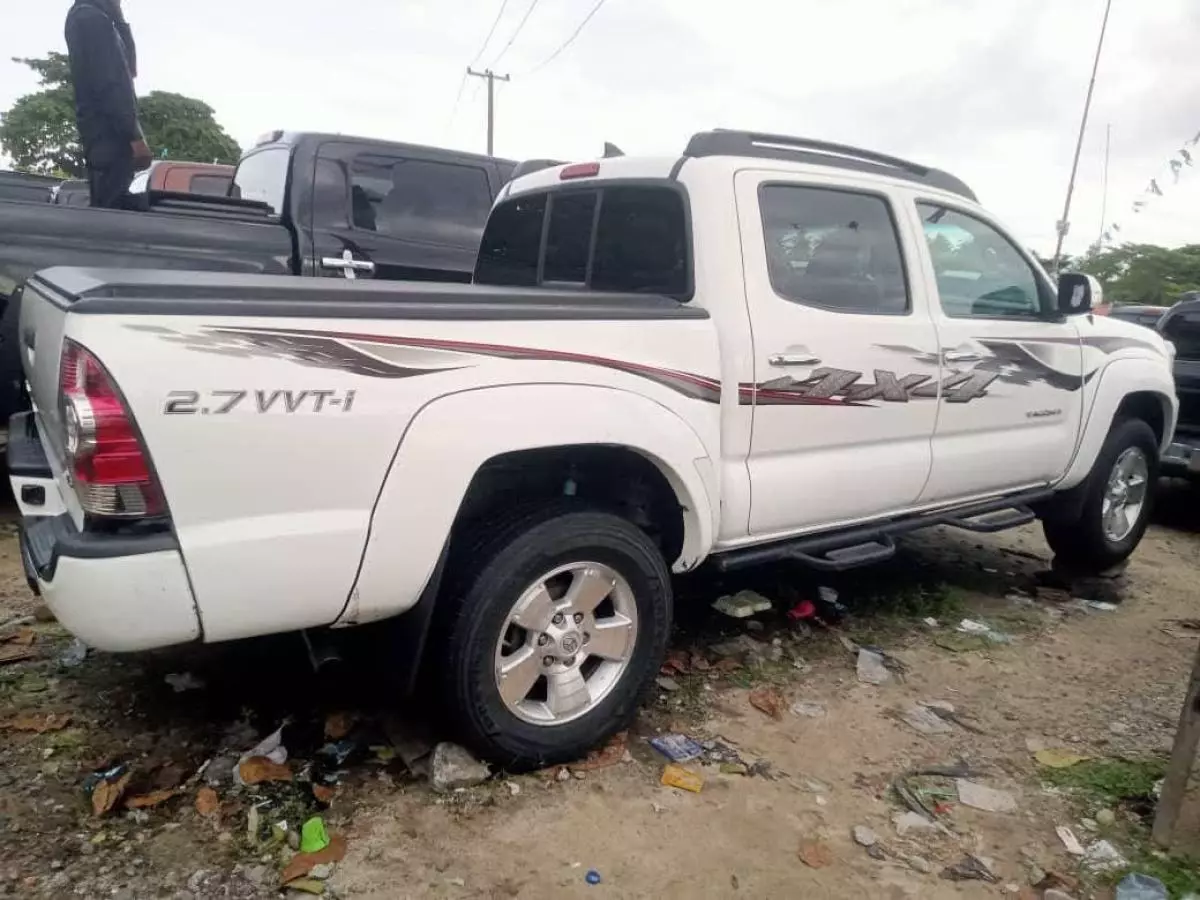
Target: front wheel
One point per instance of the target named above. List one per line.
(1106, 527)
(556, 631)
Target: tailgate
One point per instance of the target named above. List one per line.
(40, 338)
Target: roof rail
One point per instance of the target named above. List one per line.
(726, 142)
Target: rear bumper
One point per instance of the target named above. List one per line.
(118, 593)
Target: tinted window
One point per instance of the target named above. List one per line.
(210, 185)
(331, 193)
(511, 244)
(568, 241)
(262, 176)
(979, 270)
(833, 249)
(639, 243)
(417, 200)
(1183, 330)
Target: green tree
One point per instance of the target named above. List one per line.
(1145, 273)
(39, 132)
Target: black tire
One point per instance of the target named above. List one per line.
(1073, 525)
(491, 576)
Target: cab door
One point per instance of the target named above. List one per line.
(845, 352)
(1012, 383)
(407, 213)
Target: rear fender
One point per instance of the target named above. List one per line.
(1117, 381)
(452, 437)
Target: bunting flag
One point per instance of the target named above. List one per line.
(1175, 165)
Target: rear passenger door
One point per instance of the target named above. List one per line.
(845, 353)
(407, 214)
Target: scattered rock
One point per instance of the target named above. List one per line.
(454, 767)
(919, 864)
(1103, 857)
(911, 821)
(769, 701)
(815, 854)
(924, 720)
(183, 681)
(1106, 817)
(978, 796)
(668, 684)
(808, 709)
(742, 604)
(864, 836)
(1056, 894)
(871, 668)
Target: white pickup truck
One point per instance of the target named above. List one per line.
(766, 348)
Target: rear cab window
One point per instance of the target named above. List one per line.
(626, 237)
(262, 176)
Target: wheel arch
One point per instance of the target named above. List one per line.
(1139, 388)
(461, 447)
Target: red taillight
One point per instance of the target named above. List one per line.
(579, 170)
(111, 473)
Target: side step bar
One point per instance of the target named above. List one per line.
(1001, 519)
(862, 545)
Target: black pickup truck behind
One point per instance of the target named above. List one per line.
(1181, 326)
(302, 204)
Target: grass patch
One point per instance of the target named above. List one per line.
(1109, 781)
(1129, 784)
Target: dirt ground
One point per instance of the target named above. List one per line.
(1103, 682)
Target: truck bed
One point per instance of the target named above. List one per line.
(181, 233)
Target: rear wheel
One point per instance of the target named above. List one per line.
(1106, 526)
(553, 635)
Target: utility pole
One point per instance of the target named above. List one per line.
(1063, 223)
(492, 78)
(1104, 197)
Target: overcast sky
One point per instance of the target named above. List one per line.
(989, 89)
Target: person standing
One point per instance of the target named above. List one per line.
(103, 65)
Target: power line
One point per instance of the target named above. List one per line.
(491, 31)
(482, 47)
(515, 34)
(569, 41)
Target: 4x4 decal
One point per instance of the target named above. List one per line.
(1018, 362)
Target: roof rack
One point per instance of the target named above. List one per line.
(726, 142)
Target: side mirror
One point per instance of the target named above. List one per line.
(1078, 293)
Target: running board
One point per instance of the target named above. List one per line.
(862, 545)
(1001, 519)
(839, 559)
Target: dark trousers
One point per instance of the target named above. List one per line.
(110, 170)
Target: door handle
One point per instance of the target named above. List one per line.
(960, 356)
(793, 359)
(348, 264)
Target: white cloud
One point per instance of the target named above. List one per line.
(990, 91)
